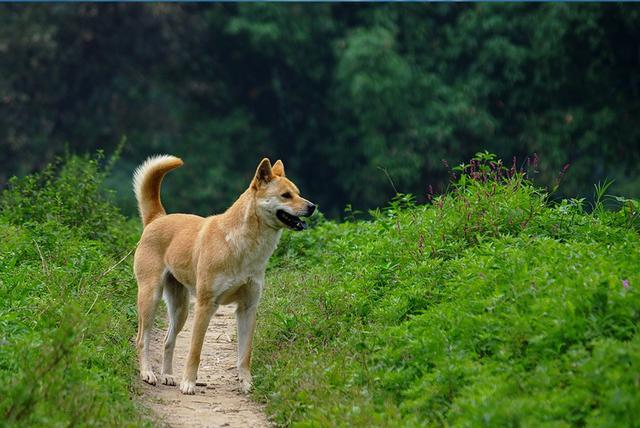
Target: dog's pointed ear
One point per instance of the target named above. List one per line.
(278, 168)
(264, 174)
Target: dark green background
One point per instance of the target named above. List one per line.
(340, 92)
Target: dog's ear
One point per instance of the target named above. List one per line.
(278, 168)
(264, 174)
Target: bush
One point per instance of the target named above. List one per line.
(67, 311)
(489, 307)
(68, 194)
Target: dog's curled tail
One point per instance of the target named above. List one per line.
(146, 184)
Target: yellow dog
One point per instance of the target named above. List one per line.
(221, 259)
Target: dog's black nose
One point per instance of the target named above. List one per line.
(310, 209)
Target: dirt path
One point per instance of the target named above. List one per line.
(219, 403)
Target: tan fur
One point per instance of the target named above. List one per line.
(221, 259)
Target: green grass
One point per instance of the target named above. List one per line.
(490, 307)
(67, 309)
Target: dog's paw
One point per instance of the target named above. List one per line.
(168, 379)
(149, 377)
(187, 387)
(246, 386)
(245, 382)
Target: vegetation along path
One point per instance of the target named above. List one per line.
(218, 401)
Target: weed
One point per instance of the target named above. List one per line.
(66, 305)
(490, 306)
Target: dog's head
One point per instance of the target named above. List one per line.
(278, 200)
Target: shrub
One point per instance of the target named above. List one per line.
(67, 194)
(67, 311)
(491, 306)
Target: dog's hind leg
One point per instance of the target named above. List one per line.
(150, 279)
(176, 297)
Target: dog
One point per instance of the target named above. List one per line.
(220, 259)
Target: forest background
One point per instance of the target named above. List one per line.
(352, 97)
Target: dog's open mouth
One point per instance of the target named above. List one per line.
(291, 221)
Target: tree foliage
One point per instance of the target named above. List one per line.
(347, 95)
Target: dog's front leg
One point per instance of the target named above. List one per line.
(246, 321)
(205, 308)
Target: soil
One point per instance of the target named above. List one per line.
(218, 401)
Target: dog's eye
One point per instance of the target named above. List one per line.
(286, 195)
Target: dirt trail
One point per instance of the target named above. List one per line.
(218, 404)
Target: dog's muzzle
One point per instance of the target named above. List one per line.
(293, 222)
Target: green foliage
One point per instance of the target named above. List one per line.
(490, 306)
(344, 94)
(67, 306)
(67, 195)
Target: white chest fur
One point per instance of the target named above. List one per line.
(248, 261)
